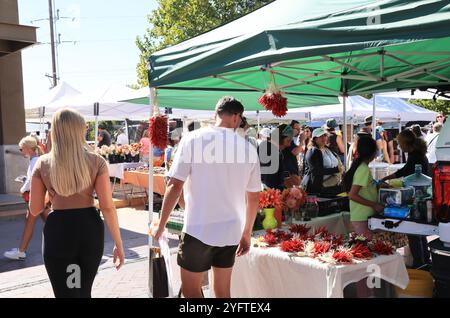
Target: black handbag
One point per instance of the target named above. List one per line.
(158, 280)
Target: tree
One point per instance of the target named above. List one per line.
(175, 21)
(437, 106)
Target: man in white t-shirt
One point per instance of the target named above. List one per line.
(220, 173)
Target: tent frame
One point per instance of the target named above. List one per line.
(379, 80)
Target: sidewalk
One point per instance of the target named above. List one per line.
(28, 279)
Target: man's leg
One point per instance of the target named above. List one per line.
(222, 282)
(191, 284)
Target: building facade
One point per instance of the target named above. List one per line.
(13, 38)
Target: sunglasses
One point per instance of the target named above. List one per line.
(439, 116)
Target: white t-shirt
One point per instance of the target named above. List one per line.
(27, 184)
(431, 141)
(122, 139)
(218, 167)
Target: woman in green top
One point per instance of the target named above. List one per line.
(361, 188)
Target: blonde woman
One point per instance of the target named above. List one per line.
(74, 231)
(30, 149)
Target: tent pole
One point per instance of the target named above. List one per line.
(150, 184)
(399, 131)
(126, 130)
(345, 130)
(374, 122)
(259, 121)
(96, 111)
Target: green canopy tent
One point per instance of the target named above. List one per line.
(313, 50)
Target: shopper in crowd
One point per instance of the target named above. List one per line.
(264, 135)
(103, 138)
(417, 130)
(247, 132)
(361, 187)
(305, 142)
(218, 219)
(174, 141)
(122, 138)
(335, 140)
(440, 118)
(73, 238)
(431, 141)
(276, 154)
(295, 147)
(383, 153)
(323, 168)
(31, 150)
(417, 150)
(145, 147)
(353, 150)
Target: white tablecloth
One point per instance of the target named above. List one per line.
(116, 170)
(271, 273)
(337, 223)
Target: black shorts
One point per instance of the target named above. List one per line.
(195, 256)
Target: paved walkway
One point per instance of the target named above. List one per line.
(28, 279)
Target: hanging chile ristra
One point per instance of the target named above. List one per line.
(158, 127)
(274, 100)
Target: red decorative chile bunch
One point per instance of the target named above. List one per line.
(158, 126)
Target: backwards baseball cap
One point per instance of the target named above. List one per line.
(318, 132)
(287, 132)
(331, 123)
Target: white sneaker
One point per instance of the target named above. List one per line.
(15, 254)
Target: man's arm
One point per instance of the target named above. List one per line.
(171, 196)
(252, 209)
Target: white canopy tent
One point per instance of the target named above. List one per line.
(61, 92)
(414, 94)
(357, 108)
(405, 111)
(107, 99)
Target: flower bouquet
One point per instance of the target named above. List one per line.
(269, 201)
(293, 199)
(135, 150)
(126, 153)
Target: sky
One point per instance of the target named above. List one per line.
(104, 51)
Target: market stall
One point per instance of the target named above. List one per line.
(139, 178)
(309, 55)
(271, 273)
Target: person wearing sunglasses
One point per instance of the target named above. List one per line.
(440, 118)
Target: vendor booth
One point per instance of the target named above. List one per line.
(311, 54)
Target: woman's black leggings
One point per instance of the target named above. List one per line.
(73, 249)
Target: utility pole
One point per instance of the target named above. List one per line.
(52, 43)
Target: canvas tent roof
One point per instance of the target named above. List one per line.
(364, 46)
